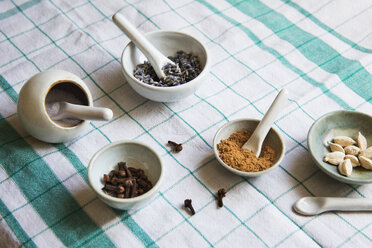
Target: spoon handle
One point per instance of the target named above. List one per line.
(152, 54)
(347, 204)
(270, 116)
(83, 112)
(255, 141)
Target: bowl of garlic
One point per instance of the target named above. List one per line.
(340, 143)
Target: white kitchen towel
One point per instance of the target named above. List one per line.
(319, 50)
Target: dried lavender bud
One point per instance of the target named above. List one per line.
(186, 69)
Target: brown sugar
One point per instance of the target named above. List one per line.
(232, 154)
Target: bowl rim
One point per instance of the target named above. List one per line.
(338, 177)
(245, 173)
(142, 197)
(173, 88)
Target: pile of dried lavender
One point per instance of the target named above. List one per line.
(188, 67)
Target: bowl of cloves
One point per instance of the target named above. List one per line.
(125, 174)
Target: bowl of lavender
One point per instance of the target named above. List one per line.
(189, 55)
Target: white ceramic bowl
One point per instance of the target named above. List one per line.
(135, 154)
(32, 111)
(339, 123)
(273, 139)
(168, 42)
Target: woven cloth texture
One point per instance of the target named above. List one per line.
(319, 50)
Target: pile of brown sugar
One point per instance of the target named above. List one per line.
(232, 154)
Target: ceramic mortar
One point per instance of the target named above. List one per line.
(32, 111)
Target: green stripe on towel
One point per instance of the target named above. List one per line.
(54, 205)
(14, 11)
(351, 72)
(14, 225)
(277, 55)
(75, 161)
(325, 27)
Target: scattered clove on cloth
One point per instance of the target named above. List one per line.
(126, 182)
(177, 147)
(221, 194)
(189, 206)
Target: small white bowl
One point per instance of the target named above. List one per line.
(273, 139)
(167, 42)
(32, 110)
(343, 123)
(135, 154)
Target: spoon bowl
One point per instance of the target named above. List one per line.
(309, 205)
(273, 138)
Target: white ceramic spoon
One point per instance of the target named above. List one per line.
(156, 58)
(317, 205)
(62, 110)
(255, 141)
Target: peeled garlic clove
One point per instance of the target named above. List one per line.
(343, 141)
(367, 152)
(345, 168)
(362, 141)
(334, 157)
(353, 159)
(365, 162)
(352, 150)
(335, 147)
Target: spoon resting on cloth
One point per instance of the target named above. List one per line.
(254, 143)
(63, 110)
(156, 58)
(317, 205)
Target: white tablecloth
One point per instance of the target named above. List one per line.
(319, 50)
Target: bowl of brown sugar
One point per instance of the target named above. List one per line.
(227, 147)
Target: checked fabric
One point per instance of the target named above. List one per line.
(319, 50)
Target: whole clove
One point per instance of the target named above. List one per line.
(221, 194)
(106, 178)
(189, 206)
(111, 188)
(123, 167)
(177, 147)
(133, 192)
(126, 182)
